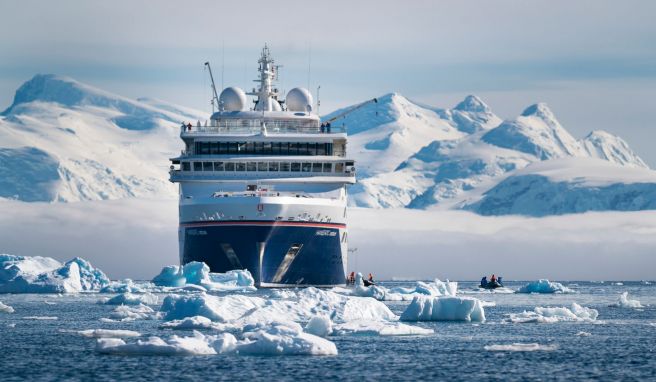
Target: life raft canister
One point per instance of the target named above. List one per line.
(260, 207)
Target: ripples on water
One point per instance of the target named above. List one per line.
(621, 345)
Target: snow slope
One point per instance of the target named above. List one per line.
(61, 140)
(570, 185)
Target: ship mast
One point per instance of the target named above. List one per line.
(267, 96)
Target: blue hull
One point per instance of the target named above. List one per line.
(276, 253)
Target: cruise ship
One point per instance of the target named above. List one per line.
(263, 187)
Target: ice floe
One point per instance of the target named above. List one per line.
(280, 339)
(197, 273)
(545, 286)
(132, 313)
(445, 308)
(107, 333)
(521, 347)
(625, 302)
(128, 298)
(25, 274)
(378, 328)
(195, 322)
(583, 334)
(381, 293)
(576, 313)
(198, 344)
(216, 308)
(5, 308)
(41, 318)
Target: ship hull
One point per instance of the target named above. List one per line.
(277, 253)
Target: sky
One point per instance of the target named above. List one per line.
(592, 61)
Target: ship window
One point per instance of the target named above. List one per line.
(218, 166)
(250, 148)
(186, 166)
(284, 166)
(273, 166)
(275, 148)
(339, 167)
(293, 149)
(329, 149)
(232, 147)
(240, 166)
(198, 166)
(302, 149)
(258, 148)
(241, 147)
(316, 167)
(230, 166)
(321, 149)
(296, 166)
(266, 148)
(223, 148)
(262, 166)
(327, 167)
(214, 148)
(204, 148)
(251, 166)
(207, 166)
(284, 148)
(307, 167)
(312, 149)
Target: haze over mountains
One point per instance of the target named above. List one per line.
(64, 141)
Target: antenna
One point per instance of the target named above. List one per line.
(216, 96)
(318, 100)
(222, 62)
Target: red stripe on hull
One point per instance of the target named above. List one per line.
(264, 223)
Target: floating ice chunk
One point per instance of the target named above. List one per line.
(545, 286)
(195, 322)
(281, 339)
(319, 326)
(448, 308)
(198, 273)
(222, 309)
(107, 333)
(128, 298)
(5, 308)
(131, 313)
(41, 318)
(624, 302)
(521, 347)
(124, 286)
(198, 344)
(583, 334)
(23, 274)
(378, 328)
(540, 314)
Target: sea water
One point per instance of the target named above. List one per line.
(619, 345)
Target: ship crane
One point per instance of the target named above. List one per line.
(349, 111)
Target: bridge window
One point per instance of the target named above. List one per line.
(186, 166)
(339, 167)
(327, 167)
(230, 166)
(307, 167)
(240, 166)
(207, 166)
(284, 166)
(273, 166)
(316, 167)
(262, 166)
(296, 166)
(218, 166)
(198, 166)
(251, 166)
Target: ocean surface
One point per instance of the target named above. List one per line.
(619, 345)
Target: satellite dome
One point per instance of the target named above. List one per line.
(299, 99)
(232, 99)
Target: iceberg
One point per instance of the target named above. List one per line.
(124, 286)
(221, 309)
(197, 273)
(5, 308)
(576, 313)
(625, 302)
(521, 347)
(544, 286)
(378, 328)
(107, 333)
(446, 308)
(281, 339)
(128, 298)
(319, 326)
(380, 293)
(36, 274)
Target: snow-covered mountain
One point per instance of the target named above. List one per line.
(62, 140)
